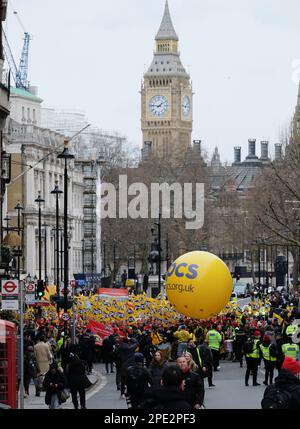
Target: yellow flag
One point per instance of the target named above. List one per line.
(280, 319)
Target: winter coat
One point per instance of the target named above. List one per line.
(286, 381)
(137, 380)
(156, 373)
(165, 397)
(43, 356)
(76, 375)
(57, 378)
(107, 350)
(193, 388)
(30, 365)
(124, 356)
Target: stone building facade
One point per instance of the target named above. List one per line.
(35, 168)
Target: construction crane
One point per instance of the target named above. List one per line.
(20, 75)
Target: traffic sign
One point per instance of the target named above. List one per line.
(10, 295)
(30, 287)
(65, 317)
(10, 287)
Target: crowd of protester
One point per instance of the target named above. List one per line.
(166, 365)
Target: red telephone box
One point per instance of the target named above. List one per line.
(8, 364)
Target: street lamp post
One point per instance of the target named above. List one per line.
(114, 255)
(56, 191)
(104, 259)
(82, 255)
(92, 261)
(45, 226)
(158, 224)
(66, 155)
(61, 251)
(167, 250)
(19, 208)
(259, 266)
(40, 200)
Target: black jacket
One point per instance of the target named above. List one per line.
(124, 356)
(57, 378)
(76, 375)
(138, 380)
(289, 382)
(193, 389)
(108, 350)
(165, 398)
(156, 373)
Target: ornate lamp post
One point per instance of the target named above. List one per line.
(39, 200)
(19, 209)
(66, 155)
(56, 191)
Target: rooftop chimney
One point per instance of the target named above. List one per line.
(146, 149)
(237, 155)
(251, 145)
(278, 151)
(197, 146)
(264, 150)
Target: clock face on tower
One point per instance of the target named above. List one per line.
(186, 106)
(158, 105)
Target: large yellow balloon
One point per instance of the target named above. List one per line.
(199, 285)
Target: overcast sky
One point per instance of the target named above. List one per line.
(243, 57)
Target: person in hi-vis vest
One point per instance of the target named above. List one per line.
(214, 340)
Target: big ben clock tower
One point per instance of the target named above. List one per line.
(167, 115)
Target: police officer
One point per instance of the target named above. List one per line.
(269, 355)
(290, 330)
(290, 349)
(252, 358)
(240, 337)
(214, 339)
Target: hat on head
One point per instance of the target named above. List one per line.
(139, 357)
(291, 365)
(256, 334)
(266, 338)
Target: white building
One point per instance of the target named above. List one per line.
(28, 144)
(67, 122)
(91, 142)
(25, 106)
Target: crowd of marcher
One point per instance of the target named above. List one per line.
(165, 365)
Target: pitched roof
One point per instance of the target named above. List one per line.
(166, 30)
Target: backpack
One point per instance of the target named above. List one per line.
(249, 346)
(274, 398)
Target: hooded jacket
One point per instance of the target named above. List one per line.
(287, 381)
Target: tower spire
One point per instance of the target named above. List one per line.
(166, 30)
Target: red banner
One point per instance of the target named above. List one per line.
(119, 294)
(100, 329)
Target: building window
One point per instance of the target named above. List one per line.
(33, 115)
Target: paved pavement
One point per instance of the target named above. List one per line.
(38, 402)
(230, 391)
